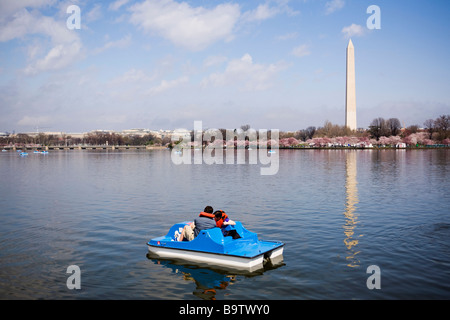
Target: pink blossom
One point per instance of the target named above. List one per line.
(393, 140)
(428, 142)
(363, 139)
(411, 139)
(353, 141)
(384, 140)
(293, 141)
(284, 142)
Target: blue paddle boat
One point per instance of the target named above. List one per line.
(241, 250)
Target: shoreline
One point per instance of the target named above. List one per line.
(57, 148)
(143, 147)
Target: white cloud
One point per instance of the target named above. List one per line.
(94, 14)
(60, 56)
(246, 74)
(194, 28)
(20, 24)
(353, 30)
(7, 8)
(333, 5)
(121, 43)
(133, 77)
(214, 61)
(262, 12)
(288, 36)
(266, 11)
(117, 4)
(137, 83)
(64, 47)
(166, 85)
(28, 121)
(301, 51)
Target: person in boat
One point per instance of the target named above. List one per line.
(222, 221)
(204, 221)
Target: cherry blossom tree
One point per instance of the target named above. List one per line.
(293, 142)
(384, 140)
(394, 140)
(411, 139)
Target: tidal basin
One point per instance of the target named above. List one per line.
(337, 211)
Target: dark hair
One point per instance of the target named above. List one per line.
(218, 214)
(208, 209)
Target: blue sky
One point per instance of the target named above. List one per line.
(163, 64)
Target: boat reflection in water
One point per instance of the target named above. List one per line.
(350, 209)
(210, 279)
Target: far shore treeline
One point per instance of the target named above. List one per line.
(380, 133)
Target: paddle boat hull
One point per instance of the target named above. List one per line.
(211, 247)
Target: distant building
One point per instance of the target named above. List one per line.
(181, 133)
(75, 135)
(139, 132)
(165, 133)
(102, 131)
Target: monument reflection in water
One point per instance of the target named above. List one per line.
(351, 188)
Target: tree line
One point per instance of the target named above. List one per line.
(438, 130)
(92, 138)
(434, 131)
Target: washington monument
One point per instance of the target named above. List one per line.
(350, 94)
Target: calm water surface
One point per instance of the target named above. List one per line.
(337, 211)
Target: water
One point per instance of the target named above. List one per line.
(337, 211)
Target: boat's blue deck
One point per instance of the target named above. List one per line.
(213, 241)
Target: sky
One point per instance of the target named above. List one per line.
(272, 64)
